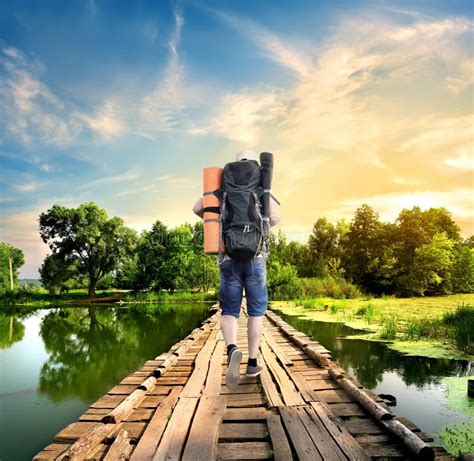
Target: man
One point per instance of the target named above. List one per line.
(234, 276)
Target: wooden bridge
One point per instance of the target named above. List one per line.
(303, 406)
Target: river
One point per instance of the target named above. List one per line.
(55, 362)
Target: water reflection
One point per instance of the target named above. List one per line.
(11, 330)
(89, 348)
(368, 360)
(55, 362)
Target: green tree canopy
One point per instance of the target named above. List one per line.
(87, 237)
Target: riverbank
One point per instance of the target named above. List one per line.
(42, 298)
(413, 326)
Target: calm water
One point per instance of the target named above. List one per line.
(55, 362)
(414, 381)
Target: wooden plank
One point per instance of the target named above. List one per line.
(109, 401)
(51, 452)
(204, 433)
(196, 381)
(151, 437)
(133, 380)
(160, 390)
(334, 396)
(135, 430)
(300, 439)
(244, 400)
(236, 431)
(214, 377)
(139, 415)
(241, 389)
(125, 407)
(289, 393)
(88, 443)
(335, 426)
(385, 451)
(243, 451)
(280, 445)
(74, 431)
(269, 388)
(172, 381)
(347, 409)
(267, 336)
(245, 414)
(151, 401)
(123, 389)
(172, 441)
(325, 444)
(363, 426)
(120, 448)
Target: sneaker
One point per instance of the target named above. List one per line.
(253, 371)
(232, 378)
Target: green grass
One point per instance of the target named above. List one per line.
(39, 297)
(461, 323)
(438, 326)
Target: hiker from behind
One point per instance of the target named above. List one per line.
(243, 263)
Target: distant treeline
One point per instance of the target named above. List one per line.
(421, 253)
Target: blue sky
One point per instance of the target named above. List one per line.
(124, 103)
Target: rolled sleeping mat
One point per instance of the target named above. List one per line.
(266, 164)
(212, 178)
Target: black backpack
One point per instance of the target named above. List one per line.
(242, 223)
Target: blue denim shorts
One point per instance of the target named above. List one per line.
(236, 275)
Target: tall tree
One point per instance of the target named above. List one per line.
(57, 274)
(322, 246)
(87, 237)
(8, 251)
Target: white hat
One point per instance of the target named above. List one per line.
(246, 154)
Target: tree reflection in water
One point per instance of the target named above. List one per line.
(369, 360)
(91, 349)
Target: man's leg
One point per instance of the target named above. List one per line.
(229, 329)
(254, 333)
(231, 301)
(256, 291)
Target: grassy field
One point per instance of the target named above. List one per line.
(416, 326)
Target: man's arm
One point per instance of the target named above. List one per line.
(274, 213)
(198, 206)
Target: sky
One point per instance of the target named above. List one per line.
(125, 102)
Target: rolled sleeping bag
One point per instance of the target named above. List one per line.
(212, 178)
(266, 164)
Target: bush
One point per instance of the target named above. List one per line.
(330, 287)
(461, 322)
(283, 282)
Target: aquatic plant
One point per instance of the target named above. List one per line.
(389, 328)
(367, 311)
(461, 323)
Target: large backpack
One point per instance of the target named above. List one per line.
(243, 229)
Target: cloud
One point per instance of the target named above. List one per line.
(243, 115)
(464, 160)
(159, 109)
(46, 168)
(27, 187)
(459, 201)
(274, 48)
(129, 175)
(29, 110)
(106, 122)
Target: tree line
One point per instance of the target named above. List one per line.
(421, 253)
